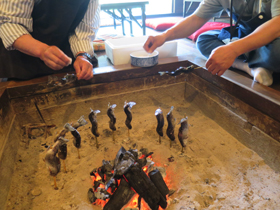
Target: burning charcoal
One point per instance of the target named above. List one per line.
(141, 183)
(121, 196)
(144, 151)
(158, 181)
(62, 152)
(183, 132)
(91, 196)
(92, 173)
(106, 166)
(134, 152)
(102, 194)
(77, 137)
(127, 110)
(119, 156)
(111, 115)
(171, 126)
(123, 167)
(96, 184)
(142, 162)
(94, 128)
(160, 120)
(52, 161)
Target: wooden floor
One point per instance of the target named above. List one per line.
(185, 47)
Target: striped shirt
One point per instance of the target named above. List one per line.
(16, 20)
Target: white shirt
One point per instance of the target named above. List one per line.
(16, 20)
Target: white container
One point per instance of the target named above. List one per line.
(118, 50)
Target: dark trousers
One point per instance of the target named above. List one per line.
(267, 56)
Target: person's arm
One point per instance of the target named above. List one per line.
(183, 29)
(223, 57)
(81, 40)
(15, 28)
(52, 56)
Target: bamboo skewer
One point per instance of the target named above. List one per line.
(97, 145)
(55, 186)
(64, 165)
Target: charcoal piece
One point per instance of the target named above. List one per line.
(158, 181)
(96, 184)
(144, 151)
(92, 173)
(142, 162)
(146, 189)
(121, 196)
(123, 167)
(134, 152)
(139, 202)
(119, 156)
(91, 195)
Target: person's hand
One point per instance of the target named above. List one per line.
(154, 42)
(221, 59)
(83, 68)
(54, 58)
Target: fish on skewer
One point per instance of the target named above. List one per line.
(183, 132)
(52, 161)
(77, 137)
(62, 151)
(94, 128)
(112, 122)
(81, 122)
(160, 123)
(179, 71)
(171, 125)
(127, 109)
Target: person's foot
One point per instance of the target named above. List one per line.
(262, 76)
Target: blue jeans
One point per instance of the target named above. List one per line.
(267, 56)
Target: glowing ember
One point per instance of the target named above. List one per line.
(106, 180)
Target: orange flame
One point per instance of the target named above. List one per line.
(133, 203)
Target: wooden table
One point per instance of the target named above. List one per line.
(111, 7)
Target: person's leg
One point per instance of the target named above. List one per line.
(262, 63)
(257, 68)
(208, 41)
